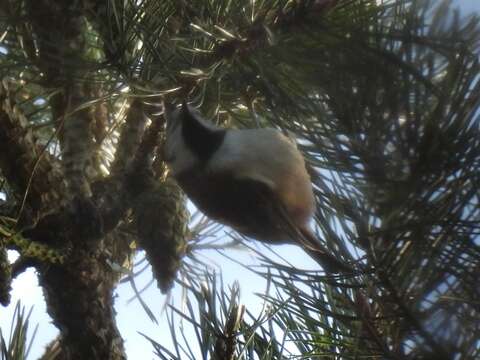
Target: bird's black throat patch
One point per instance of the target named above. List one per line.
(203, 141)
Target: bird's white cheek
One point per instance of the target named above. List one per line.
(178, 167)
(179, 158)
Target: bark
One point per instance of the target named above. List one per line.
(5, 276)
(79, 299)
(79, 291)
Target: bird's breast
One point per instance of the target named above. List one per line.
(248, 206)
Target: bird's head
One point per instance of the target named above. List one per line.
(191, 141)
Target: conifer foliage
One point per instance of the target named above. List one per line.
(382, 98)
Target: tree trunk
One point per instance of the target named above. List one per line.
(79, 299)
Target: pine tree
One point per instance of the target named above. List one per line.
(382, 98)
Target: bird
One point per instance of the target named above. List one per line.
(253, 180)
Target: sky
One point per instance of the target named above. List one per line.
(131, 318)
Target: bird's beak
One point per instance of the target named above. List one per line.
(168, 107)
(168, 114)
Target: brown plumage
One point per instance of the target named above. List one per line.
(252, 180)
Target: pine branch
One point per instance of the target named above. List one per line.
(36, 179)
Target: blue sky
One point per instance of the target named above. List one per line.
(131, 317)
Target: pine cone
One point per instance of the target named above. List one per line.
(161, 220)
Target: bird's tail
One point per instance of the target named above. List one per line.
(304, 237)
(315, 249)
